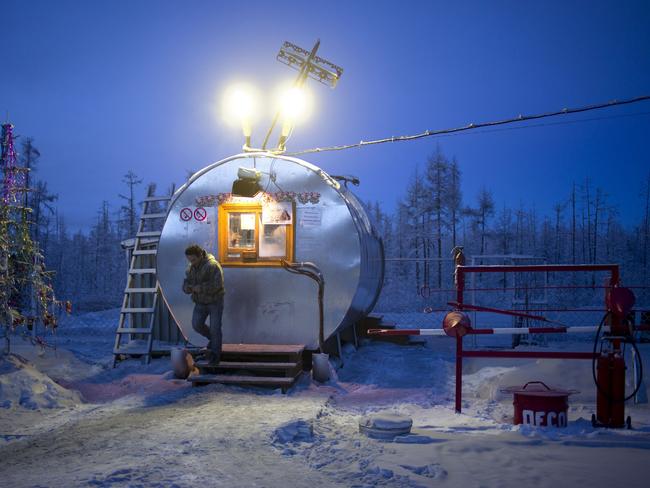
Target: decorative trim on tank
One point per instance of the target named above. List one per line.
(304, 197)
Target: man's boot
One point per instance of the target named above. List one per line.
(212, 359)
(205, 351)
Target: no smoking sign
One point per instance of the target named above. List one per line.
(186, 214)
(199, 214)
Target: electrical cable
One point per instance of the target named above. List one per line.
(473, 126)
(270, 173)
(546, 124)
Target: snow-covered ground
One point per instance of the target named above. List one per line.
(68, 419)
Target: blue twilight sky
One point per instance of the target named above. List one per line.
(108, 86)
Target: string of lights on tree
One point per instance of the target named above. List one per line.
(27, 297)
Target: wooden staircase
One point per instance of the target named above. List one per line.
(275, 366)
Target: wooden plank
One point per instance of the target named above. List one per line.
(279, 381)
(142, 271)
(154, 216)
(140, 290)
(262, 349)
(134, 330)
(150, 233)
(145, 252)
(138, 310)
(248, 365)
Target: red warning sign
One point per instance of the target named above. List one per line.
(186, 214)
(200, 214)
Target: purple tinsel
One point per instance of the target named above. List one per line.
(8, 163)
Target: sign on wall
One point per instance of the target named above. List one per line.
(277, 213)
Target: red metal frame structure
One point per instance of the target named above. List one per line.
(609, 375)
(605, 403)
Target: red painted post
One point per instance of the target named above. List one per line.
(610, 407)
(460, 286)
(459, 372)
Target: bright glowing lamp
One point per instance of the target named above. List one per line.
(294, 105)
(240, 107)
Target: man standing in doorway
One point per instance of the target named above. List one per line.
(204, 281)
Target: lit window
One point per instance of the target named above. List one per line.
(251, 235)
(241, 231)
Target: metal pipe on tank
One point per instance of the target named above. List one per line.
(313, 272)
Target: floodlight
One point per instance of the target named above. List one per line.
(240, 106)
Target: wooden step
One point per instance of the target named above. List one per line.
(142, 271)
(138, 310)
(154, 216)
(257, 368)
(140, 290)
(254, 353)
(247, 365)
(134, 330)
(225, 379)
(145, 252)
(263, 349)
(149, 233)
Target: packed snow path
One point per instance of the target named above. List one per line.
(139, 427)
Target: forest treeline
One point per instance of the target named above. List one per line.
(432, 216)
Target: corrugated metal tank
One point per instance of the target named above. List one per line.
(268, 304)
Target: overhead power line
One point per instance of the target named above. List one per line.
(472, 126)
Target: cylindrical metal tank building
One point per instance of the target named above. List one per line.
(253, 210)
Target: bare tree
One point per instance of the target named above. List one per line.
(573, 224)
(437, 176)
(128, 210)
(454, 199)
(42, 205)
(558, 208)
(646, 228)
(485, 211)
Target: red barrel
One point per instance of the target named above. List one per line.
(537, 404)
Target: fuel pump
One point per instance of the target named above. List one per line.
(608, 364)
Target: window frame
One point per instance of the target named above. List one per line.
(225, 209)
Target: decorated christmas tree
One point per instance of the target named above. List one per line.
(27, 298)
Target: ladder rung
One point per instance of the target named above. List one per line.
(140, 290)
(132, 351)
(138, 310)
(150, 233)
(154, 216)
(143, 252)
(134, 330)
(142, 271)
(157, 199)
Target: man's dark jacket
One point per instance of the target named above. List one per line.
(206, 278)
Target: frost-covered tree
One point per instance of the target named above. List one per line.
(128, 211)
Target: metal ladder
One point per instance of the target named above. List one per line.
(145, 245)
